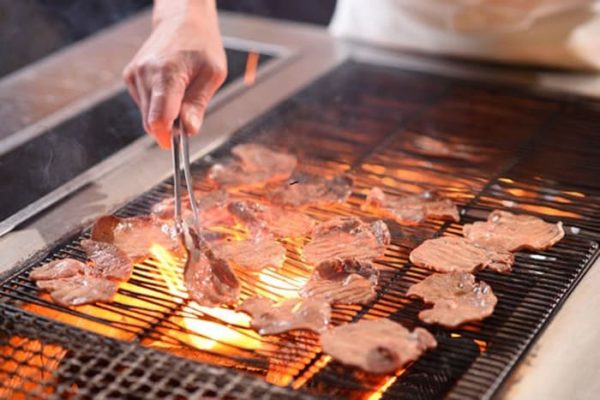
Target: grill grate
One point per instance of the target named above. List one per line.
(363, 119)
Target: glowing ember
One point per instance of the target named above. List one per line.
(376, 395)
(27, 367)
(280, 287)
(203, 335)
(251, 66)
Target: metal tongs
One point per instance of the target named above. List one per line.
(181, 150)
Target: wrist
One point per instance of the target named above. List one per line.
(182, 10)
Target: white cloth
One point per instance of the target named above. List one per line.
(563, 33)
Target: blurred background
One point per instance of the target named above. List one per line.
(53, 24)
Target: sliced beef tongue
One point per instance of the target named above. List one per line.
(347, 239)
(269, 318)
(410, 210)
(260, 219)
(58, 269)
(254, 166)
(135, 236)
(342, 282)
(253, 254)
(108, 260)
(456, 299)
(72, 283)
(304, 190)
(210, 280)
(510, 232)
(379, 347)
(79, 289)
(457, 254)
(212, 208)
(433, 147)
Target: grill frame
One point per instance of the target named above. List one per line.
(521, 152)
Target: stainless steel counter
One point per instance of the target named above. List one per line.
(563, 363)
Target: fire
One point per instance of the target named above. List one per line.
(279, 286)
(376, 395)
(251, 66)
(206, 335)
(28, 368)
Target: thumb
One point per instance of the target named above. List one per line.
(192, 117)
(195, 103)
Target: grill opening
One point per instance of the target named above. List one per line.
(534, 155)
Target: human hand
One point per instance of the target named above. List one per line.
(176, 72)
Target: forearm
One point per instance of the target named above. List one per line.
(205, 10)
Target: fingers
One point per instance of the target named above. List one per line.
(165, 104)
(143, 94)
(166, 90)
(197, 96)
(158, 91)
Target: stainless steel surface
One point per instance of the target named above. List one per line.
(564, 362)
(68, 103)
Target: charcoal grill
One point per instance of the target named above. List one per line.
(358, 118)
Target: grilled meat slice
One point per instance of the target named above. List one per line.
(456, 254)
(342, 282)
(212, 208)
(352, 289)
(260, 218)
(57, 269)
(347, 239)
(254, 165)
(379, 347)
(79, 289)
(432, 147)
(510, 232)
(269, 318)
(72, 283)
(135, 236)
(254, 254)
(456, 299)
(410, 210)
(109, 261)
(305, 190)
(210, 280)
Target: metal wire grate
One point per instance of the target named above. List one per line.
(364, 120)
(41, 359)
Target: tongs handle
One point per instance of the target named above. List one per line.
(181, 149)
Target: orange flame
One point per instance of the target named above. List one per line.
(251, 66)
(209, 333)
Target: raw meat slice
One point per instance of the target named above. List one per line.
(57, 269)
(135, 235)
(456, 254)
(269, 318)
(410, 210)
(212, 209)
(79, 289)
(428, 146)
(347, 238)
(456, 299)
(254, 165)
(254, 254)
(352, 289)
(349, 282)
(260, 218)
(510, 232)
(210, 280)
(310, 190)
(109, 261)
(379, 347)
